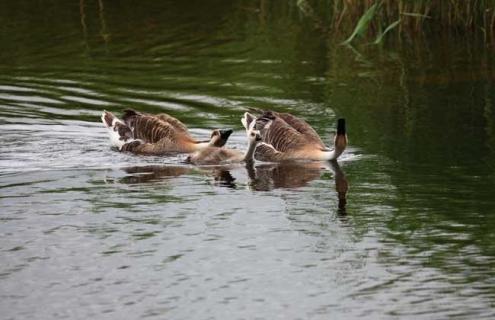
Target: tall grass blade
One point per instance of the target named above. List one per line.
(416, 15)
(390, 27)
(363, 23)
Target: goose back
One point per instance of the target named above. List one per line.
(156, 134)
(278, 133)
(176, 123)
(287, 137)
(152, 129)
(215, 155)
(303, 128)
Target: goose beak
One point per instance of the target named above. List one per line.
(225, 133)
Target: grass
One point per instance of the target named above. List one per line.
(375, 19)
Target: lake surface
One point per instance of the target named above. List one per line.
(86, 231)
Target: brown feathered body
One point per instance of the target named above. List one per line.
(286, 137)
(215, 155)
(158, 134)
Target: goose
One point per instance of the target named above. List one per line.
(286, 137)
(215, 155)
(160, 134)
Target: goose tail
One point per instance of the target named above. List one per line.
(118, 131)
(248, 121)
(341, 127)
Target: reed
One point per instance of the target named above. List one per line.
(375, 19)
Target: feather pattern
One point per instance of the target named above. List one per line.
(152, 129)
(214, 155)
(266, 152)
(287, 137)
(160, 134)
(176, 123)
(303, 128)
(163, 147)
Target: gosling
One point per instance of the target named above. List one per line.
(216, 156)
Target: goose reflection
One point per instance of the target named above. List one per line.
(271, 176)
(294, 174)
(262, 177)
(341, 185)
(146, 174)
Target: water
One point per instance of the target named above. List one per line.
(88, 232)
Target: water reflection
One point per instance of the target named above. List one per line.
(152, 173)
(148, 174)
(262, 177)
(283, 175)
(295, 174)
(341, 185)
(422, 193)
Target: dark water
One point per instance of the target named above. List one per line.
(88, 232)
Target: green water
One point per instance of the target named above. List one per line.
(86, 231)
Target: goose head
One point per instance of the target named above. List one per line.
(219, 137)
(254, 136)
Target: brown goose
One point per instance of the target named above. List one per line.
(156, 134)
(286, 137)
(215, 155)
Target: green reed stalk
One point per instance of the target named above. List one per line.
(411, 18)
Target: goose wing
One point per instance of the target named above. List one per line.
(303, 128)
(176, 123)
(163, 147)
(266, 152)
(152, 129)
(296, 123)
(279, 134)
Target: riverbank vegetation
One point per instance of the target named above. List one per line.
(374, 21)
